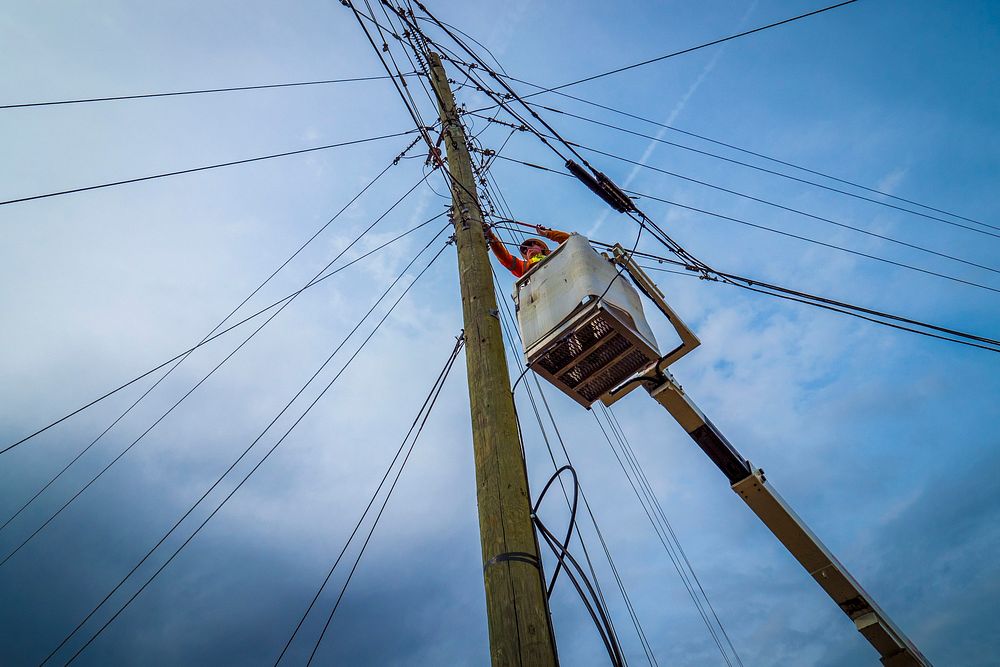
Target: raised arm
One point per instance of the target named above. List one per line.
(510, 262)
(552, 234)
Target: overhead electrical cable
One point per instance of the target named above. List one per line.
(435, 393)
(877, 317)
(522, 100)
(613, 421)
(626, 597)
(510, 91)
(598, 612)
(458, 63)
(557, 90)
(773, 230)
(206, 337)
(280, 440)
(666, 535)
(321, 82)
(420, 66)
(871, 315)
(404, 95)
(399, 74)
(408, 102)
(596, 181)
(192, 170)
(789, 209)
(423, 411)
(763, 201)
(786, 176)
(478, 111)
(467, 36)
(685, 580)
(763, 156)
(691, 49)
(832, 246)
(217, 335)
(673, 54)
(190, 391)
(754, 281)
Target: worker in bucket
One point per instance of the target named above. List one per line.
(532, 250)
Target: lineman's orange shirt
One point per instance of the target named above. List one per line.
(520, 266)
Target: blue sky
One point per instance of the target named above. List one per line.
(884, 442)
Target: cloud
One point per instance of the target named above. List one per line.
(891, 181)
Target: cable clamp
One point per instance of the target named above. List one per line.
(407, 150)
(514, 556)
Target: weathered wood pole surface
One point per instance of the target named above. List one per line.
(519, 624)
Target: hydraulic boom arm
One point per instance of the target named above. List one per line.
(749, 483)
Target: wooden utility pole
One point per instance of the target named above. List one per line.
(519, 623)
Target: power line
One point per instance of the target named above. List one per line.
(700, 46)
(214, 336)
(812, 299)
(764, 201)
(408, 101)
(204, 168)
(660, 514)
(209, 334)
(194, 92)
(763, 156)
(756, 154)
(832, 246)
(629, 208)
(467, 36)
(493, 95)
(783, 175)
(789, 209)
(668, 55)
(458, 63)
(561, 551)
(877, 317)
(556, 90)
(773, 230)
(668, 549)
(868, 314)
(431, 397)
(260, 462)
(429, 406)
(188, 393)
(404, 95)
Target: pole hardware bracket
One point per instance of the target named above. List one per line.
(656, 373)
(513, 556)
